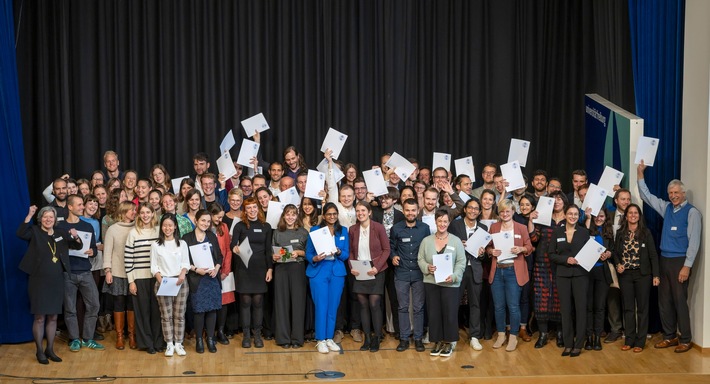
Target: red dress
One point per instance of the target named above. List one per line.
(224, 241)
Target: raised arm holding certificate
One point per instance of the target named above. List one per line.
(169, 287)
(544, 210)
(646, 150)
(85, 244)
(444, 264)
(513, 175)
(375, 182)
(334, 141)
(402, 166)
(337, 173)
(441, 160)
(248, 151)
(609, 179)
(225, 165)
(595, 199)
(504, 241)
(519, 151)
(254, 124)
(315, 183)
(362, 267)
(589, 254)
(464, 166)
(202, 256)
(227, 143)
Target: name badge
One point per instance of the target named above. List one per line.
(674, 228)
(342, 238)
(257, 230)
(450, 248)
(60, 219)
(294, 241)
(643, 245)
(560, 239)
(58, 239)
(517, 236)
(406, 239)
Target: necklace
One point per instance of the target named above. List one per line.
(443, 237)
(54, 251)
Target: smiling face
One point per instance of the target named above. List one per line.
(360, 190)
(346, 197)
(264, 199)
(130, 216)
(91, 207)
(291, 160)
(146, 215)
(430, 198)
(362, 214)
(632, 215)
(559, 204)
(599, 219)
(101, 195)
(331, 216)
(442, 223)
(410, 212)
(276, 170)
(154, 200)
(578, 181)
(350, 174)
(307, 207)
(111, 162)
(525, 207)
(246, 187)
(168, 228)
(72, 188)
(142, 190)
(208, 185)
(200, 166)
(539, 183)
(487, 174)
(505, 215)
(487, 201)
(194, 202)
(385, 202)
(472, 211)
(168, 204)
(158, 176)
(572, 215)
(290, 217)
(252, 211)
(129, 180)
(235, 202)
(217, 218)
(47, 220)
(204, 222)
(623, 199)
(676, 195)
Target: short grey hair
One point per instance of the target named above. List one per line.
(45, 210)
(677, 183)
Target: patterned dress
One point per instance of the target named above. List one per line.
(547, 303)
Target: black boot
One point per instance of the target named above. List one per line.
(246, 340)
(560, 340)
(210, 345)
(366, 344)
(375, 344)
(221, 337)
(542, 340)
(596, 345)
(199, 344)
(588, 344)
(258, 342)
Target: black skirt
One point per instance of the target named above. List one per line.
(375, 286)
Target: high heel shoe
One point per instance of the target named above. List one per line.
(566, 351)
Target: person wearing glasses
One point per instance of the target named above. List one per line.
(489, 170)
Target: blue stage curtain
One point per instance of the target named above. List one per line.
(657, 42)
(15, 318)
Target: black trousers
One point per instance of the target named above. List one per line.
(635, 291)
(149, 330)
(596, 300)
(572, 292)
(474, 302)
(269, 321)
(673, 300)
(349, 309)
(442, 310)
(392, 294)
(289, 302)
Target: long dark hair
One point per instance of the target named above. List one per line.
(607, 229)
(624, 227)
(161, 235)
(336, 226)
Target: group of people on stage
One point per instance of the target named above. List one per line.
(104, 246)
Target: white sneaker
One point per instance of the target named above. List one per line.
(332, 346)
(425, 339)
(170, 350)
(322, 347)
(476, 345)
(180, 350)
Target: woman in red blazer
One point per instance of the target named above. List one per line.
(508, 275)
(369, 245)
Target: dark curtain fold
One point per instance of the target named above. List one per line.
(158, 81)
(15, 320)
(657, 30)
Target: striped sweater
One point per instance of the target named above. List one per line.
(137, 255)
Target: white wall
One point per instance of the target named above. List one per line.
(695, 160)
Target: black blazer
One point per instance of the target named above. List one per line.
(30, 263)
(560, 250)
(191, 239)
(378, 214)
(648, 256)
(458, 229)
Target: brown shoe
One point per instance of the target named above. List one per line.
(638, 349)
(667, 343)
(682, 347)
(338, 337)
(524, 335)
(357, 335)
(626, 347)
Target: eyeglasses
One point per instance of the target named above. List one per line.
(331, 214)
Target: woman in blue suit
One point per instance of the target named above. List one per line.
(326, 272)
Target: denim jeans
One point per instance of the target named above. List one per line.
(506, 294)
(84, 283)
(405, 328)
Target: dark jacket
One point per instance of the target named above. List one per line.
(648, 257)
(560, 250)
(458, 229)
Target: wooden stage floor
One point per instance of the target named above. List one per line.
(273, 364)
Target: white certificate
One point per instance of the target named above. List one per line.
(85, 244)
(544, 210)
(589, 254)
(513, 175)
(273, 213)
(404, 168)
(464, 166)
(169, 287)
(479, 239)
(609, 179)
(228, 284)
(245, 251)
(646, 150)
(202, 255)
(254, 124)
(225, 165)
(374, 181)
(441, 160)
(505, 241)
(277, 251)
(334, 141)
(518, 151)
(227, 143)
(595, 199)
(290, 196)
(444, 264)
(323, 241)
(464, 196)
(337, 173)
(249, 150)
(315, 183)
(488, 223)
(362, 266)
(176, 183)
(430, 221)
